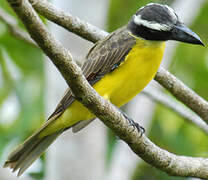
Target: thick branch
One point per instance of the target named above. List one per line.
(13, 27)
(170, 163)
(91, 33)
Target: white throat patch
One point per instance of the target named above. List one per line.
(150, 24)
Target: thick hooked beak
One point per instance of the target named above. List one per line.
(184, 34)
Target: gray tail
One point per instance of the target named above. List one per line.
(26, 153)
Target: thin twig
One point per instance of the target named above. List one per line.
(13, 27)
(92, 33)
(170, 163)
(181, 110)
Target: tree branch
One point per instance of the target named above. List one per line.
(170, 103)
(13, 27)
(92, 33)
(183, 93)
(66, 20)
(170, 163)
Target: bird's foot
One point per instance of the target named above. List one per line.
(134, 124)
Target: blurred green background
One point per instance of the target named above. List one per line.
(22, 79)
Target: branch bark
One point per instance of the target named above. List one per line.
(69, 22)
(92, 33)
(183, 93)
(181, 110)
(168, 162)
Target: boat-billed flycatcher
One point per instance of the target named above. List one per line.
(118, 67)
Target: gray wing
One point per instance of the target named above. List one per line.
(105, 56)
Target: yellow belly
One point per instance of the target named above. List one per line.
(121, 85)
(138, 69)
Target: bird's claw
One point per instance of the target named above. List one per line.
(136, 125)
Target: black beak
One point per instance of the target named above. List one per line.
(184, 34)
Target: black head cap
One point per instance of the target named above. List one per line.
(160, 22)
(158, 14)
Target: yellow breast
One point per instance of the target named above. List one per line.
(137, 70)
(119, 86)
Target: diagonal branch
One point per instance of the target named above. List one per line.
(92, 33)
(183, 93)
(69, 22)
(181, 110)
(170, 163)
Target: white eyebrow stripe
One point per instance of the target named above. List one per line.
(150, 24)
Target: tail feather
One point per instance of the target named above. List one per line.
(25, 154)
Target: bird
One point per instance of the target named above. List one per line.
(118, 67)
